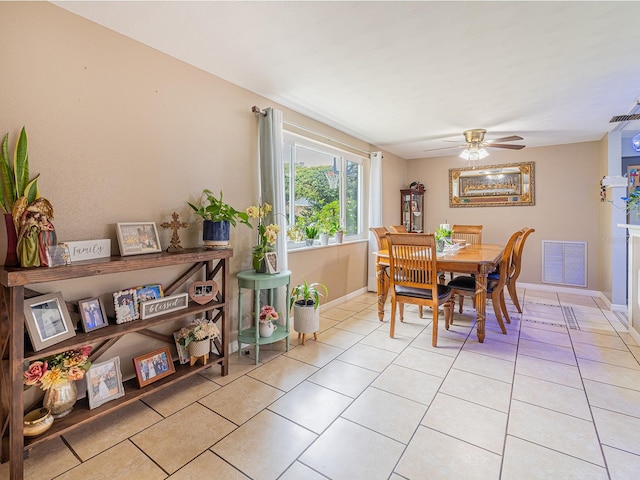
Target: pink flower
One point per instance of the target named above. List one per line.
(35, 372)
(267, 313)
(75, 373)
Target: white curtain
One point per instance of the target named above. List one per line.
(271, 184)
(375, 213)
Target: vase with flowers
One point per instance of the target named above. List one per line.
(56, 375)
(267, 235)
(197, 336)
(266, 317)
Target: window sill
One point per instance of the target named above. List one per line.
(293, 247)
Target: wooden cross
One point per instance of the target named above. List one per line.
(175, 224)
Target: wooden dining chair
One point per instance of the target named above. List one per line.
(466, 284)
(472, 234)
(516, 266)
(414, 278)
(381, 237)
(398, 229)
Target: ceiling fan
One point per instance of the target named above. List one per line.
(475, 144)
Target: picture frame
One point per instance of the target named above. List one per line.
(92, 313)
(202, 292)
(149, 292)
(183, 354)
(125, 303)
(104, 382)
(136, 238)
(271, 260)
(153, 366)
(153, 308)
(58, 255)
(48, 320)
(493, 185)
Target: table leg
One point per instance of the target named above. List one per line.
(481, 303)
(239, 318)
(382, 287)
(256, 309)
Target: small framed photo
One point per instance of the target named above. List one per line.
(138, 238)
(153, 366)
(149, 292)
(271, 259)
(183, 354)
(58, 255)
(48, 320)
(104, 382)
(125, 303)
(203, 292)
(92, 313)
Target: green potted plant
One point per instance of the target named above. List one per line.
(310, 233)
(218, 217)
(443, 237)
(305, 300)
(14, 186)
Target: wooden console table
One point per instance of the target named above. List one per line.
(14, 354)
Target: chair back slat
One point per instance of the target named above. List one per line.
(506, 264)
(412, 260)
(471, 234)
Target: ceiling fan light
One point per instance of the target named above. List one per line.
(635, 142)
(482, 153)
(465, 154)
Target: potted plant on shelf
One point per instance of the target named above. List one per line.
(218, 217)
(17, 192)
(196, 338)
(267, 235)
(266, 317)
(305, 300)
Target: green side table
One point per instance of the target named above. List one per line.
(262, 281)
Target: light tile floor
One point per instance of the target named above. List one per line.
(558, 397)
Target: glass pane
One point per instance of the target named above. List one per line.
(353, 196)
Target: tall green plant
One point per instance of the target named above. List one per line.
(15, 181)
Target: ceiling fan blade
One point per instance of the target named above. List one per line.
(445, 148)
(505, 145)
(510, 138)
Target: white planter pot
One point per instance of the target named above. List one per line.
(266, 329)
(339, 237)
(306, 319)
(324, 239)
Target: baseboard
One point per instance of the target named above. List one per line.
(559, 289)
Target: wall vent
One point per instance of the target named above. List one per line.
(564, 263)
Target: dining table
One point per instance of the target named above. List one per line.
(479, 260)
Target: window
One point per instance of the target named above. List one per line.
(323, 188)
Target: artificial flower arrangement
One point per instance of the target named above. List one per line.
(59, 368)
(200, 329)
(267, 234)
(633, 201)
(267, 313)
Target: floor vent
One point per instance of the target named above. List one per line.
(564, 263)
(570, 318)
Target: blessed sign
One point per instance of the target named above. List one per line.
(160, 306)
(88, 249)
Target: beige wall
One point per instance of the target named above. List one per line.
(120, 132)
(567, 202)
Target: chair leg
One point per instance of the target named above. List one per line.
(503, 306)
(448, 313)
(514, 295)
(392, 322)
(496, 308)
(460, 302)
(434, 328)
(401, 312)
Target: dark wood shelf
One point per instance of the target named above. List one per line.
(81, 414)
(14, 281)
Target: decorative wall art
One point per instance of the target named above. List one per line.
(492, 186)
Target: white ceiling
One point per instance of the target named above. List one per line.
(405, 76)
